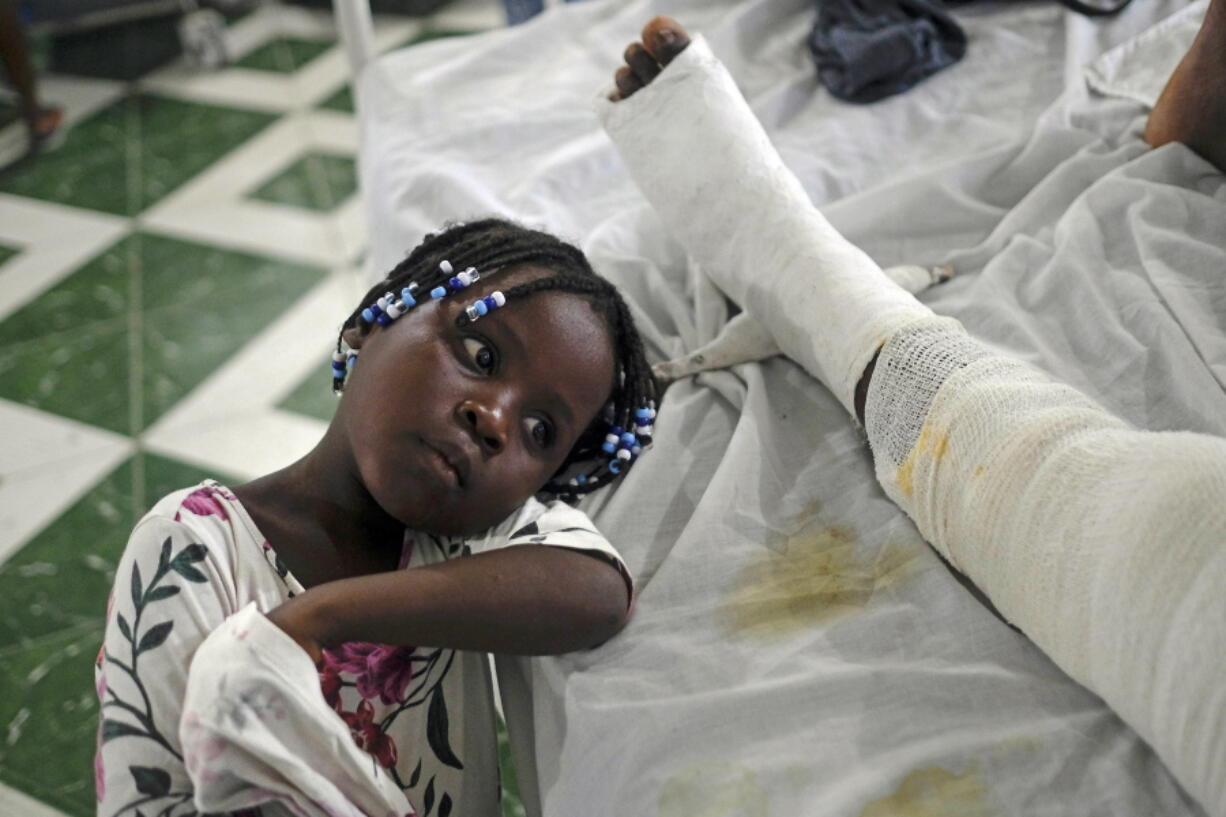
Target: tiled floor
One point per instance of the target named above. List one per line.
(164, 276)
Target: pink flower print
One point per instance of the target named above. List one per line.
(99, 772)
(406, 553)
(110, 606)
(206, 501)
(330, 685)
(369, 737)
(379, 670)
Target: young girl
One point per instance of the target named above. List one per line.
(491, 366)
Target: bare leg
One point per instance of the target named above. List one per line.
(40, 121)
(1192, 108)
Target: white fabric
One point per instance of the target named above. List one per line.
(741, 681)
(252, 722)
(751, 226)
(256, 731)
(1102, 543)
(1138, 69)
(744, 340)
(1030, 489)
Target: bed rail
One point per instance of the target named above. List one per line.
(357, 32)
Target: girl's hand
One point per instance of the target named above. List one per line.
(296, 618)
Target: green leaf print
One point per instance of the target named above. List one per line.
(155, 636)
(117, 729)
(123, 626)
(161, 593)
(164, 557)
(182, 563)
(138, 596)
(428, 798)
(150, 781)
(436, 730)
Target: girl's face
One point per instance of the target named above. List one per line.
(452, 428)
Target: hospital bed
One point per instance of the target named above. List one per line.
(796, 648)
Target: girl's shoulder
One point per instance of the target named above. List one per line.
(539, 523)
(204, 500)
(552, 524)
(210, 520)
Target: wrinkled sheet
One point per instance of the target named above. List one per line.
(796, 647)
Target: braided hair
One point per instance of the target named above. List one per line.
(493, 245)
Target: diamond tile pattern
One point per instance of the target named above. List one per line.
(7, 252)
(52, 602)
(430, 33)
(284, 55)
(139, 339)
(317, 181)
(134, 330)
(131, 154)
(313, 396)
(341, 101)
(8, 113)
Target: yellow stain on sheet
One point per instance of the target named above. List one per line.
(717, 790)
(934, 792)
(819, 576)
(937, 445)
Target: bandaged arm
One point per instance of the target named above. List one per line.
(702, 159)
(1103, 543)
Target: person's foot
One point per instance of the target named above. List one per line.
(662, 40)
(1192, 107)
(43, 125)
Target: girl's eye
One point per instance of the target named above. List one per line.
(540, 431)
(481, 354)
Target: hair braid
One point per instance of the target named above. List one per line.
(494, 245)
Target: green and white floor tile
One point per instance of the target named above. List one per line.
(164, 275)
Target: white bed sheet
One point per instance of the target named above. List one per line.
(796, 648)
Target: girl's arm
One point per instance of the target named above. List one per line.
(173, 585)
(526, 599)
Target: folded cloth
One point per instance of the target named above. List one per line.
(257, 733)
(866, 50)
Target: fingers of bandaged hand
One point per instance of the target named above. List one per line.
(705, 163)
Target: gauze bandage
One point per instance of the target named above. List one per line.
(1105, 544)
(699, 155)
(743, 339)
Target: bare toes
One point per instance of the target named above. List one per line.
(643, 65)
(627, 83)
(664, 39)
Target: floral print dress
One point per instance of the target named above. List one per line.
(208, 707)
